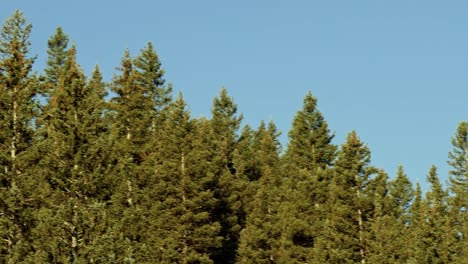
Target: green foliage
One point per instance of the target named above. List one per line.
(57, 56)
(259, 241)
(121, 173)
(350, 204)
(310, 139)
(458, 160)
(306, 167)
(178, 195)
(17, 111)
(228, 184)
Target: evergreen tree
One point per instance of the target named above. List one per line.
(17, 111)
(180, 229)
(310, 139)
(57, 54)
(417, 226)
(259, 241)
(397, 219)
(432, 235)
(149, 75)
(228, 185)
(402, 194)
(136, 111)
(307, 162)
(387, 234)
(458, 160)
(71, 163)
(346, 228)
(438, 235)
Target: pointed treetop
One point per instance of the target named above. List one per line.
(149, 66)
(436, 194)
(126, 63)
(96, 83)
(225, 110)
(458, 159)
(354, 154)
(15, 65)
(57, 55)
(15, 34)
(310, 139)
(401, 190)
(180, 101)
(96, 74)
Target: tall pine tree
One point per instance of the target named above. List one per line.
(458, 160)
(259, 241)
(307, 161)
(178, 192)
(228, 185)
(348, 204)
(17, 111)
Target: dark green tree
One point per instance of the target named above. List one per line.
(137, 111)
(71, 167)
(310, 139)
(386, 232)
(416, 228)
(180, 229)
(346, 226)
(402, 194)
(228, 185)
(306, 167)
(432, 238)
(57, 55)
(391, 220)
(458, 160)
(17, 111)
(438, 235)
(149, 75)
(260, 240)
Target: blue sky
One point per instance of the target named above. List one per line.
(395, 71)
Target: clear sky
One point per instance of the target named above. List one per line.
(395, 71)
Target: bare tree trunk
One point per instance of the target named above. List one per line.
(129, 192)
(360, 223)
(14, 141)
(184, 199)
(74, 238)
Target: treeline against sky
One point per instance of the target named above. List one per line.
(136, 179)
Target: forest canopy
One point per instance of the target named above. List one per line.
(120, 172)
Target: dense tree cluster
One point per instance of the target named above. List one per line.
(119, 172)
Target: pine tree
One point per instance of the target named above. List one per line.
(397, 218)
(259, 241)
(431, 232)
(96, 182)
(458, 160)
(57, 55)
(17, 111)
(387, 235)
(227, 183)
(417, 228)
(149, 75)
(307, 162)
(310, 139)
(136, 110)
(178, 193)
(348, 204)
(402, 193)
(72, 164)
(438, 233)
